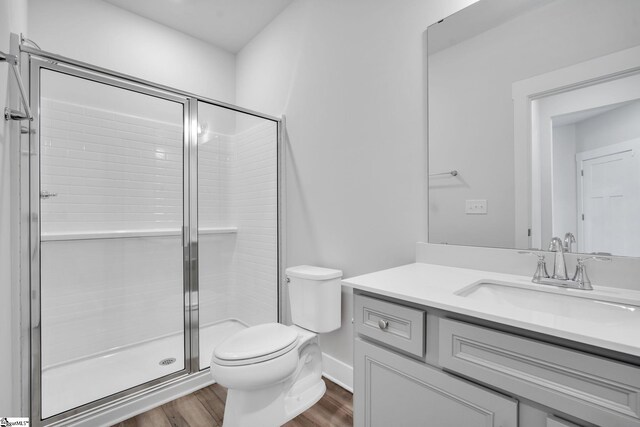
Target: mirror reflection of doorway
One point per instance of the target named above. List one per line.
(609, 199)
(584, 126)
(594, 185)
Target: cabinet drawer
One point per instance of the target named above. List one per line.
(592, 388)
(393, 324)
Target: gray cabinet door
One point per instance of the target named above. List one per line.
(393, 390)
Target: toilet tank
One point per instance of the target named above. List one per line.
(314, 297)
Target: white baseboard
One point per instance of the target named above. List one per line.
(337, 371)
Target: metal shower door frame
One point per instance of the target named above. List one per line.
(38, 60)
(36, 68)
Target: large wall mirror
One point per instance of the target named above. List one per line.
(534, 125)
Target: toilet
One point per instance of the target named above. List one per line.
(273, 372)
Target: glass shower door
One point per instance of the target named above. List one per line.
(112, 204)
(237, 191)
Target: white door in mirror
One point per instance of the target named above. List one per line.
(610, 199)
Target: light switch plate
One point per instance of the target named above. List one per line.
(475, 207)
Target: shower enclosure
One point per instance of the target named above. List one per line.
(153, 218)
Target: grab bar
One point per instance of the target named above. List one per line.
(10, 114)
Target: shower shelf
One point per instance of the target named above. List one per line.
(122, 234)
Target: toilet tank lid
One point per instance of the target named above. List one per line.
(313, 273)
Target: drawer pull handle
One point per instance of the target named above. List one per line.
(383, 324)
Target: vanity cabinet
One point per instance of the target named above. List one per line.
(411, 369)
(393, 385)
(394, 390)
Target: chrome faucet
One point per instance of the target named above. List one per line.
(580, 279)
(559, 266)
(569, 240)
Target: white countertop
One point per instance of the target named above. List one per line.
(434, 286)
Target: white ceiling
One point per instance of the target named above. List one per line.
(229, 24)
(579, 116)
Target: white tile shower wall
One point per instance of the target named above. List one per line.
(215, 277)
(214, 168)
(110, 171)
(215, 251)
(101, 294)
(254, 204)
(238, 272)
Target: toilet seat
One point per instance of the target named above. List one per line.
(256, 344)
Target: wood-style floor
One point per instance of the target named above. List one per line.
(205, 408)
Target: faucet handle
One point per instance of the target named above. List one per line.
(541, 268)
(540, 255)
(582, 260)
(581, 271)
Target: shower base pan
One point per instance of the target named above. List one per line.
(69, 385)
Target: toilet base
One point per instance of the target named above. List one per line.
(297, 404)
(268, 407)
(274, 405)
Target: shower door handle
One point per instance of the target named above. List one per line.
(46, 194)
(184, 237)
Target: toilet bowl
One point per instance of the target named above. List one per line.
(273, 372)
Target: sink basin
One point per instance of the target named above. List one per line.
(572, 304)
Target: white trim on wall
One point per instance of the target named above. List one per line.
(337, 371)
